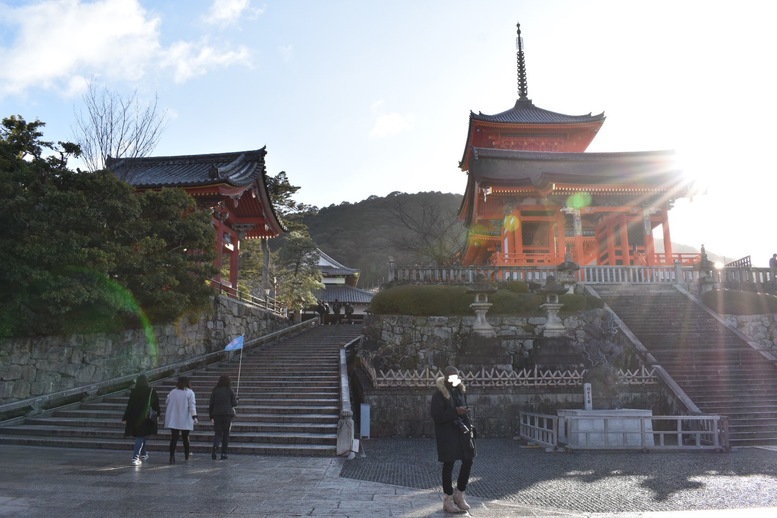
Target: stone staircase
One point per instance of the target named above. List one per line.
(719, 371)
(289, 403)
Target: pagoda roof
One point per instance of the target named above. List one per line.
(492, 167)
(524, 112)
(236, 169)
(535, 173)
(330, 267)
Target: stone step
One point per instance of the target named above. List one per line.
(289, 404)
(720, 373)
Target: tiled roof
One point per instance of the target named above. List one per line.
(499, 167)
(238, 169)
(329, 266)
(345, 293)
(524, 112)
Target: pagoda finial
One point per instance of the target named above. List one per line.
(522, 88)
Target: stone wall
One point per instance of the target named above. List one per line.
(403, 412)
(408, 342)
(31, 367)
(761, 329)
(413, 343)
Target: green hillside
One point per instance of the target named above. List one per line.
(364, 235)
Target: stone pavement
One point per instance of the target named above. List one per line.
(395, 477)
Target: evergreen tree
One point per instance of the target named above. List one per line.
(82, 251)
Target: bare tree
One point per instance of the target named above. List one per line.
(116, 126)
(433, 234)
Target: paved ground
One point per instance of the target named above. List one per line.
(396, 477)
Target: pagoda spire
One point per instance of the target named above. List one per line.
(523, 89)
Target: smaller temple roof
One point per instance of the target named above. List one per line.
(344, 293)
(237, 169)
(330, 267)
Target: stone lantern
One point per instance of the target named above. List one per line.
(481, 327)
(552, 289)
(567, 273)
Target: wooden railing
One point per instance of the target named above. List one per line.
(268, 303)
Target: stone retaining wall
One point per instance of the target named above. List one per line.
(31, 367)
(414, 343)
(405, 412)
(761, 329)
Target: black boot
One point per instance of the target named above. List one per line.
(172, 458)
(213, 453)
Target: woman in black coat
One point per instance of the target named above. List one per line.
(221, 410)
(455, 439)
(141, 397)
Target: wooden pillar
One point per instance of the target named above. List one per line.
(667, 236)
(561, 236)
(518, 233)
(234, 261)
(218, 261)
(650, 246)
(610, 233)
(624, 230)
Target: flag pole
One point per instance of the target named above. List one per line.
(239, 368)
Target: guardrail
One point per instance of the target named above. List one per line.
(662, 432)
(268, 303)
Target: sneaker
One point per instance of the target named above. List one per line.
(136, 461)
(144, 457)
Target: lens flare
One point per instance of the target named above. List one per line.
(123, 299)
(579, 200)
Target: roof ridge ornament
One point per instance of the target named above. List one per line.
(523, 89)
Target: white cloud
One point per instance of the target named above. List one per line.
(188, 60)
(390, 124)
(224, 12)
(57, 42)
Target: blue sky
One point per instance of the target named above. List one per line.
(356, 98)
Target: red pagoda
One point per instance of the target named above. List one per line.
(534, 196)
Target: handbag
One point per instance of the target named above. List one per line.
(151, 414)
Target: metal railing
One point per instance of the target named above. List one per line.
(662, 432)
(268, 303)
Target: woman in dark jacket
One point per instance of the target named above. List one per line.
(136, 425)
(455, 441)
(221, 410)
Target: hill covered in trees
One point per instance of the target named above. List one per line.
(420, 228)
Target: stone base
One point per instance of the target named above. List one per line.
(602, 429)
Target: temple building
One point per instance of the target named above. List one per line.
(534, 196)
(232, 186)
(340, 284)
